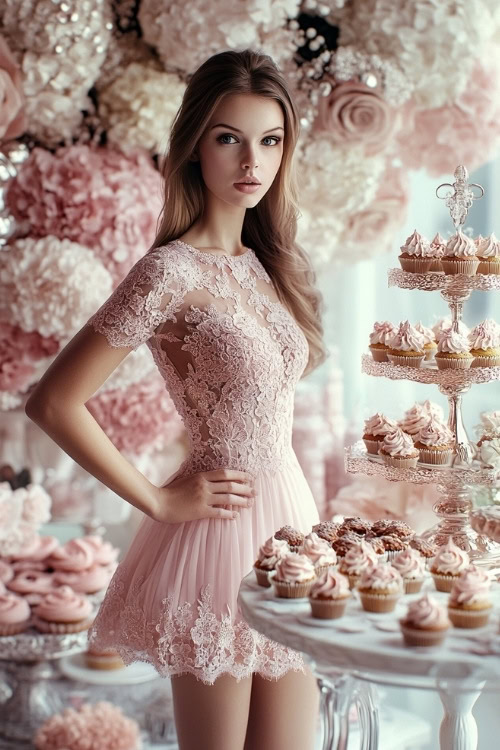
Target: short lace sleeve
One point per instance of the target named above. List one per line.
(144, 299)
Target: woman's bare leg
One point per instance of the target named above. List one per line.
(211, 717)
(283, 713)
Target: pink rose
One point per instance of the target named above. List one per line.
(354, 113)
(12, 115)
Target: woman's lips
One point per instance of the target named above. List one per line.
(247, 187)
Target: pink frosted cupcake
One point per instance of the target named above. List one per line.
(293, 577)
(15, 614)
(430, 346)
(438, 247)
(426, 623)
(416, 254)
(379, 337)
(397, 449)
(89, 581)
(269, 554)
(453, 351)
(406, 347)
(469, 605)
(376, 428)
(444, 324)
(6, 572)
(74, 555)
(63, 611)
(29, 582)
(319, 552)
(484, 342)
(460, 256)
(488, 254)
(447, 565)
(329, 595)
(357, 559)
(411, 567)
(418, 416)
(435, 443)
(104, 552)
(380, 588)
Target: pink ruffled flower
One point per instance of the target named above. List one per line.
(104, 199)
(137, 418)
(465, 132)
(12, 114)
(18, 351)
(354, 113)
(101, 726)
(37, 504)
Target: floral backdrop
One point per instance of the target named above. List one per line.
(89, 89)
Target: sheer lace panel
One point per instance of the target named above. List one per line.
(230, 353)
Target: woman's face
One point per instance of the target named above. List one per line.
(243, 139)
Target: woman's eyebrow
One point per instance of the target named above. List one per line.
(231, 127)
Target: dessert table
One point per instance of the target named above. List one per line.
(351, 654)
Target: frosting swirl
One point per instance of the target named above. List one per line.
(359, 558)
(435, 433)
(490, 423)
(444, 324)
(450, 559)
(318, 550)
(6, 572)
(488, 247)
(294, 568)
(383, 577)
(438, 246)
(453, 342)
(409, 564)
(104, 552)
(330, 585)
(407, 338)
(417, 246)
(63, 605)
(74, 555)
(472, 586)
(382, 332)
(31, 581)
(398, 443)
(489, 453)
(485, 335)
(414, 419)
(426, 613)
(13, 609)
(87, 581)
(379, 424)
(460, 246)
(426, 332)
(271, 551)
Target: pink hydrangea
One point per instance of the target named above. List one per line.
(465, 132)
(137, 418)
(12, 113)
(104, 199)
(18, 351)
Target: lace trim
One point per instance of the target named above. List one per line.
(201, 643)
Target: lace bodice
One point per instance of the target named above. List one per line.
(230, 353)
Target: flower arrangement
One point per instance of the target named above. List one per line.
(101, 726)
(12, 114)
(22, 512)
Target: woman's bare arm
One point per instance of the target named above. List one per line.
(57, 406)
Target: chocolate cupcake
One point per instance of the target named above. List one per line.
(393, 544)
(424, 548)
(292, 536)
(343, 543)
(327, 530)
(356, 525)
(379, 528)
(400, 529)
(375, 542)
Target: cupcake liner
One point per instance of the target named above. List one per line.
(292, 589)
(434, 456)
(486, 361)
(467, 266)
(403, 462)
(372, 446)
(453, 363)
(379, 355)
(406, 361)
(412, 585)
(353, 580)
(319, 569)
(436, 266)
(262, 577)
(487, 266)
(443, 582)
(328, 609)
(419, 637)
(61, 628)
(416, 265)
(378, 602)
(13, 628)
(469, 618)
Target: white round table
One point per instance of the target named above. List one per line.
(363, 647)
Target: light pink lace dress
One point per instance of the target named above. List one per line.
(231, 356)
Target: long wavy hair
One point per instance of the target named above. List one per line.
(270, 227)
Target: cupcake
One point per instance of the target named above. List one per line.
(329, 595)
(438, 247)
(88, 581)
(356, 524)
(484, 342)
(269, 554)
(393, 544)
(489, 454)
(435, 443)
(397, 449)
(444, 324)
(378, 340)
(344, 543)
(377, 544)
(319, 552)
(63, 611)
(376, 428)
(447, 565)
(406, 347)
(290, 535)
(425, 624)
(31, 582)
(15, 614)
(327, 530)
(400, 529)
(426, 550)
(430, 346)
(418, 416)
(488, 254)
(453, 351)
(6, 572)
(74, 555)
(104, 552)
(411, 567)
(469, 605)
(416, 255)
(293, 576)
(460, 255)
(103, 658)
(357, 559)
(380, 588)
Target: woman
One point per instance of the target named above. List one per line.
(226, 303)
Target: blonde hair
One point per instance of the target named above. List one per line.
(271, 226)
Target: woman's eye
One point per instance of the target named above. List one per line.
(225, 135)
(276, 139)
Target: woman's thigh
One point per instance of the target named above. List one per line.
(211, 717)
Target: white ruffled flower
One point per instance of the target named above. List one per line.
(45, 286)
(9, 401)
(138, 108)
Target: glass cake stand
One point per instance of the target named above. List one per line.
(27, 662)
